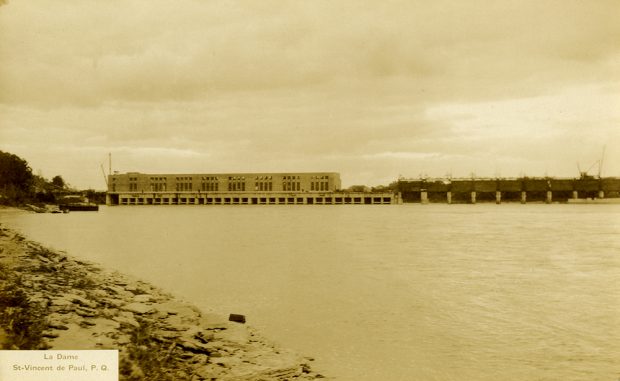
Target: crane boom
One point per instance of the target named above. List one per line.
(105, 178)
(600, 163)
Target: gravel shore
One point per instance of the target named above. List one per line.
(49, 300)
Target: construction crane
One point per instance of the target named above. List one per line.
(105, 178)
(600, 163)
(584, 174)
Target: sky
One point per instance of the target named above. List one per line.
(371, 89)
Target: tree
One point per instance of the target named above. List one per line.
(58, 182)
(15, 177)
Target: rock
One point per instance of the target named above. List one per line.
(237, 318)
(57, 325)
(61, 305)
(209, 372)
(213, 322)
(192, 345)
(175, 323)
(87, 323)
(143, 298)
(116, 289)
(86, 312)
(110, 302)
(168, 335)
(138, 308)
(98, 294)
(126, 321)
(43, 259)
(82, 301)
(178, 308)
(126, 318)
(237, 334)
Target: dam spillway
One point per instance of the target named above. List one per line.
(498, 190)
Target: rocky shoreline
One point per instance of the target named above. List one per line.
(49, 300)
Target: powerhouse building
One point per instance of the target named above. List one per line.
(135, 188)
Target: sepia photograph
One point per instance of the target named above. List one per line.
(275, 190)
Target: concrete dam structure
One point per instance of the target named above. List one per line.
(498, 190)
(304, 188)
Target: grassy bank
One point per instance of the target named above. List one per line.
(51, 301)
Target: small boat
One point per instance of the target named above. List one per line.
(80, 208)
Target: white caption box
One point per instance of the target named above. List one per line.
(91, 365)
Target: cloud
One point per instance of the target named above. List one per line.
(91, 52)
(384, 88)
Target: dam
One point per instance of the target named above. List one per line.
(498, 190)
(303, 188)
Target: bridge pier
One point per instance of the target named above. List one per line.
(549, 197)
(424, 197)
(449, 197)
(473, 197)
(498, 197)
(523, 197)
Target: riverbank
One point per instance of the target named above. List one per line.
(49, 300)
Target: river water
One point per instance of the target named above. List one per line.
(399, 292)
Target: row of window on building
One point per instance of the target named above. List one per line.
(210, 187)
(233, 186)
(184, 186)
(291, 186)
(263, 186)
(319, 186)
(236, 186)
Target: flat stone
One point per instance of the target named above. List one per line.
(115, 289)
(99, 294)
(57, 325)
(143, 298)
(138, 308)
(123, 320)
(165, 334)
(60, 301)
(87, 323)
(192, 345)
(82, 301)
(112, 302)
(86, 312)
(213, 321)
(236, 333)
(178, 308)
(175, 323)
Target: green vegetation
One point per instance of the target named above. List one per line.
(22, 321)
(16, 179)
(149, 359)
(19, 186)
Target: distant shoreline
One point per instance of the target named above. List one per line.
(67, 303)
